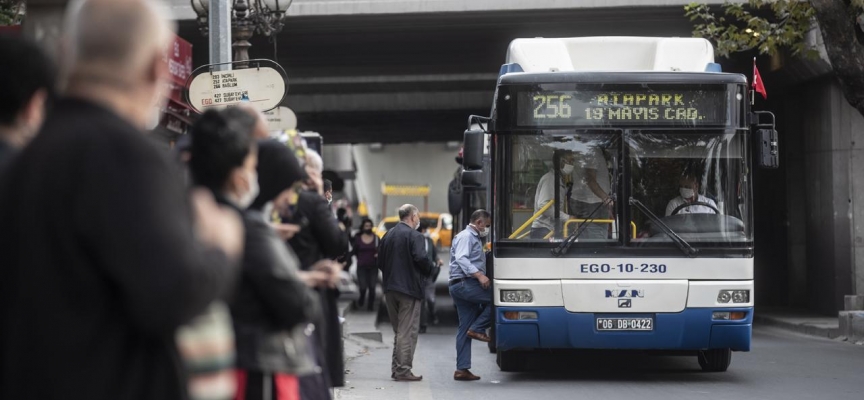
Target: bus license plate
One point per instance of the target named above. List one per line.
(625, 324)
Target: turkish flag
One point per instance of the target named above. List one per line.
(758, 85)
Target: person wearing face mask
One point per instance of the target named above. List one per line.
(27, 79)
(688, 194)
(591, 188)
(545, 223)
(404, 267)
(320, 238)
(427, 316)
(471, 290)
(365, 248)
(271, 304)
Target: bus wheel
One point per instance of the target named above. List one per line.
(715, 360)
(511, 360)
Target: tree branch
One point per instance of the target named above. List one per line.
(844, 51)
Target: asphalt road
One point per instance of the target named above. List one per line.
(782, 365)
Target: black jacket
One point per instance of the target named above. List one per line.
(270, 302)
(319, 236)
(98, 263)
(403, 261)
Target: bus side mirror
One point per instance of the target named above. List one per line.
(472, 154)
(472, 179)
(767, 150)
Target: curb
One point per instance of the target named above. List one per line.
(367, 328)
(805, 328)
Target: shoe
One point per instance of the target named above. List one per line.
(479, 336)
(422, 329)
(464, 375)
(408, 378)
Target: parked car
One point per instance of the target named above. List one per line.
(440, 227)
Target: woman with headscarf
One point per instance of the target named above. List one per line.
(271, 305)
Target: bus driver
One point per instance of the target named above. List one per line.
(689, 193)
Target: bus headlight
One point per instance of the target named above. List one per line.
(516, 296)
(735, 296)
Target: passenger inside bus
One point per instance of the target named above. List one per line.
(584, 186)
(689, 201)
(544, 224)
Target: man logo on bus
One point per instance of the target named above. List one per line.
(625, 303)
(625, 294)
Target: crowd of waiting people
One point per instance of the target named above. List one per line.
(208, 272)
(129, 272)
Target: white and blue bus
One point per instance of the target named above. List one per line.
(614, 128)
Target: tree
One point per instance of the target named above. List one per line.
(770, 27)
(11, 12)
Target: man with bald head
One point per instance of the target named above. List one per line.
(404, 267)
(100, 260)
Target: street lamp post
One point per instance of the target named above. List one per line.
(248, 17)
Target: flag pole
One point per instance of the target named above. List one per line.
(753, 84)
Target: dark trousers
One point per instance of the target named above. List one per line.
(367, 280)
(427, 315)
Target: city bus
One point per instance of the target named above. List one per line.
(638, 123)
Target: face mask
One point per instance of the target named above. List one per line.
(247, 199)
(367, 231)
(567, 169)
(687, 193)
(483, 233)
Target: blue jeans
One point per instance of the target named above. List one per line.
(473, 305)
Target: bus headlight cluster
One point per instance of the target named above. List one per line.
(734, 296)
(516, 296)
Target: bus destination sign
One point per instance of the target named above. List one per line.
(633, 107)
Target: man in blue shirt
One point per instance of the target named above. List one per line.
(471, 290)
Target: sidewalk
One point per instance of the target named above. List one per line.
(798, 321)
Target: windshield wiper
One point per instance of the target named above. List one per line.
(685, 247)
(565, 245)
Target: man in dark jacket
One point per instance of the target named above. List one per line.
(427, 316)
(98, 256)
(405, 267)
(320, 238)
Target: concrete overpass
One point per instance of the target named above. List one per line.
(403, 71)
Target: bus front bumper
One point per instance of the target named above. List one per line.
(557, 328)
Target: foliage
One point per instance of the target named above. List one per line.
(763, 25)
(12, 12)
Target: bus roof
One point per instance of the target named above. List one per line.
(623, 77)
(611, 54)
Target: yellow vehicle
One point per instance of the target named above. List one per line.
(440, 227)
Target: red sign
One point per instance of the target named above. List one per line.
(179, 59)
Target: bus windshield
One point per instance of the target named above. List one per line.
(690, 184)
(694, 183)
(575, 167)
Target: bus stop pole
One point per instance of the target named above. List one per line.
(220, 34)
